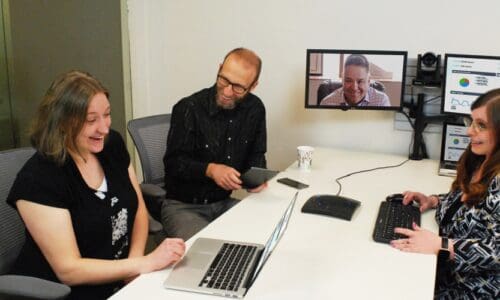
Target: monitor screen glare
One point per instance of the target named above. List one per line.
(465, 78)
(345, 79)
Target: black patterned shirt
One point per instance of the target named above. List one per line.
(475, 271)
(201, 133)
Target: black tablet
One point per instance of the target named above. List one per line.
(256, 176)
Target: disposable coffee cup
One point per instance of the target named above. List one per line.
(305, 157)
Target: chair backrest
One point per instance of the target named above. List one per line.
(150, 138)
(328, 86)
(12, 230)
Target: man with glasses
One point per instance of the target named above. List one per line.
(215, 134)
(356, 89)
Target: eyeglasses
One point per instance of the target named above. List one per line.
(477, 126)
(224, 82)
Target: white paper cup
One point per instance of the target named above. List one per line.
(305, 157)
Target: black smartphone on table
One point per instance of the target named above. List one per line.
(293, 183)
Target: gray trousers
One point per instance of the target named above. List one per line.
(183, 220)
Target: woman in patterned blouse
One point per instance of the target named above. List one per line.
(468, 216)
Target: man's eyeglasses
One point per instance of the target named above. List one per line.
(477, 126)
(224, 82)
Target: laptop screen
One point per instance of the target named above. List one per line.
(275, 237)
(455, 141)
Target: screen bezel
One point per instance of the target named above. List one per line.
(404, 54)
(445, 72)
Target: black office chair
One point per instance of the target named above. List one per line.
(328, 86)
(150, 138)
(12, 236)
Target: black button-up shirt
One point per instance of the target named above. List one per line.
(201, 133)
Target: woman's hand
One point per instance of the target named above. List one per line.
(168, 252)
(425, 202)
(418, 240)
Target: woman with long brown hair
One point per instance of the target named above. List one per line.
(468, 216)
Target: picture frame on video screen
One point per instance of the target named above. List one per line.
(355, 79)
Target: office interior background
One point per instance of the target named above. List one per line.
(152, 53)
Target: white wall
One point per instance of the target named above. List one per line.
(176, 47)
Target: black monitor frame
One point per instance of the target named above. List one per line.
(444, 133)
(310, 75)
(444, 98)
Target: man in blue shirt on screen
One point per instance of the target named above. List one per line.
(356, 89)
(215, 135)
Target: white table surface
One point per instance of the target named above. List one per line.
(321, 257)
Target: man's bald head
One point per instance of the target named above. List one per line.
(248, 57)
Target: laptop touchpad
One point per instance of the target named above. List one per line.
(195, 261)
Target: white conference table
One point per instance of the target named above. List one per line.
(321, 257)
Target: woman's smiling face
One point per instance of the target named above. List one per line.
(96, 126)
(481, 133)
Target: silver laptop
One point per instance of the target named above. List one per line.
(225, 268)
(453, 144)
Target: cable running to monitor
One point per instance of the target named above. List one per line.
(364, 171)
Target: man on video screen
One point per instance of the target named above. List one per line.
(356, 89)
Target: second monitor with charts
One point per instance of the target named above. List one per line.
(465, 78)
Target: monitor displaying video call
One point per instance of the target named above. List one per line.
(355, 79)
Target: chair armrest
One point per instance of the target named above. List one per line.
(27, 287)
(154, 226)
(152, 190)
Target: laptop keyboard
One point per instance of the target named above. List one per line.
(227, 270)
(450, 165)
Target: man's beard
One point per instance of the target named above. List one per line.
(231, 105)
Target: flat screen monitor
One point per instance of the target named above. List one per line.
(355, 79)
(465, 78)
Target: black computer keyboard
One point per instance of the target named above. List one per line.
(392, 215)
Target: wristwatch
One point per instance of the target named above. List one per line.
(444, 243)
(444, 253)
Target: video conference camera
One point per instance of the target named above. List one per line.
(428, 70)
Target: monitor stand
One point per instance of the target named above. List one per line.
(419, 150)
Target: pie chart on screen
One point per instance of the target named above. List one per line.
(464, 82)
